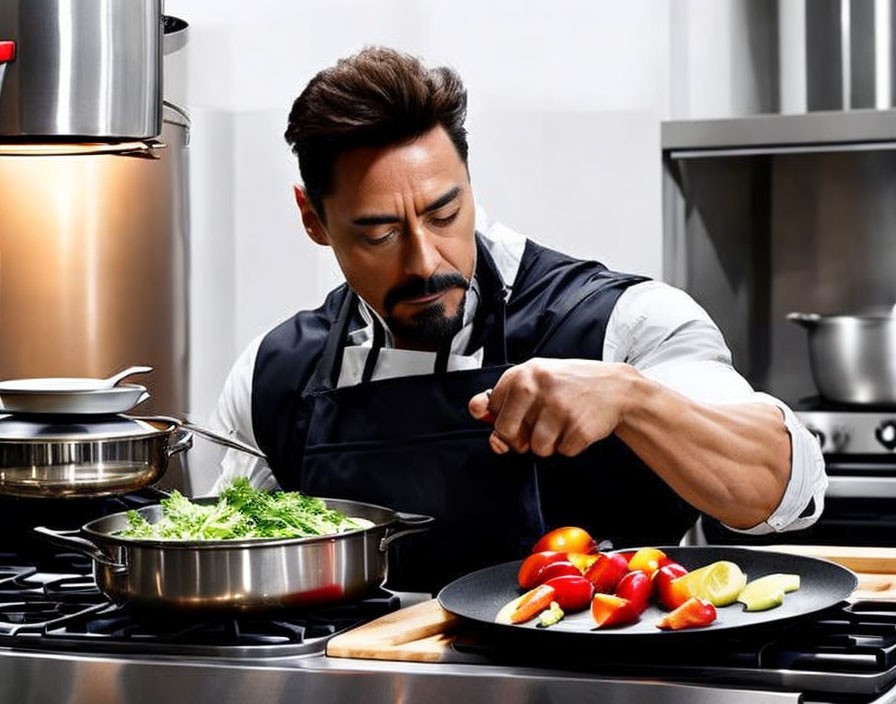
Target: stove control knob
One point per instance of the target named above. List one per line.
(818, 435)
(886, 434)
(840, 438)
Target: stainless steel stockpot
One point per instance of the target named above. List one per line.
(240, 575)
(50, 458)
(853, 357)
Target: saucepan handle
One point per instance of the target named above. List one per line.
(183, 441)
(69, 539)
(807, 320)
(208, 434)
(415, 523)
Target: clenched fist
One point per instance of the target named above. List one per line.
(555, 405)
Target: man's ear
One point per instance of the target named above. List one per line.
(310, 219)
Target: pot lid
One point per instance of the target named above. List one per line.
(62, 427)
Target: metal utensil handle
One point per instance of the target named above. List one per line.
(68, 539)
(418, 524)
(807, 320)
(183, 443)
(208, 434)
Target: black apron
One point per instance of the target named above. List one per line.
(409, 443)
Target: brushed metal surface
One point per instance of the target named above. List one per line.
(244, 575)
(93, 267)
(89, 68)
(816, 128)
(50, 679)
(853, 358)
(65, 467)
(754, 238)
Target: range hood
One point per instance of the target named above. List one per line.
(834, 130)
(802, 76)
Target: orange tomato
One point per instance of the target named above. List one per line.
(568, 539)
(647, 559)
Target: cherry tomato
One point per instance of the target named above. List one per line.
(647, 560)
(636, 587)
(574, 592)
(606, 573)
(541, 566)
(693, 613)
(610, 610)
(670, 590)
(533, 603)
(568, 539)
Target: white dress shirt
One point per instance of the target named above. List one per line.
(660, 330)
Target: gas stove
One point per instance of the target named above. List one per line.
(850, 430)
(61, 640)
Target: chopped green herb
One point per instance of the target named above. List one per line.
(242, 512)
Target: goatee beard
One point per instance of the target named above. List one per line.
(429, 328)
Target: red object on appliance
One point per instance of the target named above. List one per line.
(7, 51)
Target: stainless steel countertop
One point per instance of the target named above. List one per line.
(38, 677)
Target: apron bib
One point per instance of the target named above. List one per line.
(410, 444)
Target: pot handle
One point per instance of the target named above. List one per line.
(208, 434)
(807, 320)
(417, 524)
(183, 442)
(70, 539)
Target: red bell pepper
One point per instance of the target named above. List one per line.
(694, 613)
(610, 610)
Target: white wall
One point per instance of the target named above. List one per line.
(565, 101)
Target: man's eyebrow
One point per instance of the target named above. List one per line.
(369, 220)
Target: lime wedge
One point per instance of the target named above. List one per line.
(723, 583)
(719, 583)
(768, 592)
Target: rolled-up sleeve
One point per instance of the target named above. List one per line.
(668, 337)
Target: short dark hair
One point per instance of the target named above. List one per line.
(375, 98)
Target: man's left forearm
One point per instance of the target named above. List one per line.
(730, 461)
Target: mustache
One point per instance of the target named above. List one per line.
(419, 287)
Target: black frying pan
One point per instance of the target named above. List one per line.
(480, 595)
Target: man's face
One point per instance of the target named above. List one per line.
(400, 220)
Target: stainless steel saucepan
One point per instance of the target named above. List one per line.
(240, 575)
(41, 457)
(853, 357)
(68, 456)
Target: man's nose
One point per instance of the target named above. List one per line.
(421, 258)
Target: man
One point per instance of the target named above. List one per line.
(468, 373)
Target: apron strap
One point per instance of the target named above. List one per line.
(326, 375)
(573, 300)
(379, 339)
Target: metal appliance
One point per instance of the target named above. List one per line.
(772, 214)
(83, 71)
(93, 238)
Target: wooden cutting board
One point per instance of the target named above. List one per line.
(424, 632)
